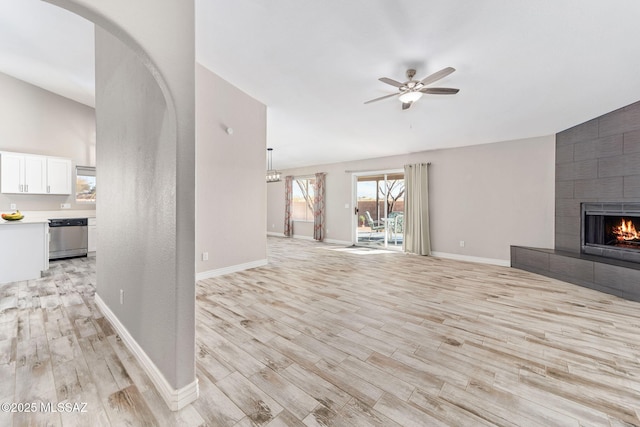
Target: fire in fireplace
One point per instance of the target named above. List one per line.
(611, 230)
(625, 233)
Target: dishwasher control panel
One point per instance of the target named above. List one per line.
(67, 222)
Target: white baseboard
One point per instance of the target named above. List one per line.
(332, 241)
(175, 399)
(338, 242)
(458, 257)
(231, 269)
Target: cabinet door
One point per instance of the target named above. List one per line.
(11, 173)
(92, 238)
(35, 174)
(58, 176)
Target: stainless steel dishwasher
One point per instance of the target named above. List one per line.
(67, 238)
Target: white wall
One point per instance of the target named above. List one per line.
(230, 180)
(491, 196)
(37, 121)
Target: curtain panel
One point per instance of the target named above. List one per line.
(416, 209)
(319, 207)
(288, 192)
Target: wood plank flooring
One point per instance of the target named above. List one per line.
(324, 336)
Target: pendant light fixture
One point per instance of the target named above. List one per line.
(272, 174)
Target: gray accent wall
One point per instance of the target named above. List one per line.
(597, 161)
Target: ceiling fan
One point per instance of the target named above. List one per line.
(412, 90)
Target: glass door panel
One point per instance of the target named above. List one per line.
(380, 204)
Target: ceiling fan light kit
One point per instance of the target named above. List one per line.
(409, 97)
(412, 90)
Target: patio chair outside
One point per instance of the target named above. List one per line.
(372, 224)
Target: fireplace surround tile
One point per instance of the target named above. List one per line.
(577, 268)
(609, 146)
(631, 187)
(602, 188)
(582, 132)
(613, 277)
(564, 153)
(631, 142)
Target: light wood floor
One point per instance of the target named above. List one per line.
(325, 336)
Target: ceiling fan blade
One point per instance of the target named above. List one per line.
(391, 82)
(439, 90)
(437, 75)
(382, 97)
(406, 105)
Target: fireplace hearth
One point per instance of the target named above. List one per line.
(611, 230)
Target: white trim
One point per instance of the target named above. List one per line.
(338, 242)
(231, 269)
(458, 257)
(175, 399)
(332, 241)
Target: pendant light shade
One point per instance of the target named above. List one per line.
(272, 174)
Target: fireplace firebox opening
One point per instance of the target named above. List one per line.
(611, 230)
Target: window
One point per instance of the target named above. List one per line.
(302, 200)
(85, 184)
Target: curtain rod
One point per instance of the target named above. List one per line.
(375, 171)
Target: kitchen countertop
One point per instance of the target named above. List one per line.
(64, 213)
(24, 220)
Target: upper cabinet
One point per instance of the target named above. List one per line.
(31, 174)
(35, 174)
(58, 175)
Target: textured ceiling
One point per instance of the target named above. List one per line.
(524, 68)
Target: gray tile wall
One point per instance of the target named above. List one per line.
(597, 161)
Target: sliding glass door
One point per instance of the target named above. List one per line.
(379, 209)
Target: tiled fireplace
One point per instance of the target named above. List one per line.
(597, 207)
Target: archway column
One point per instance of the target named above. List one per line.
(145, 112)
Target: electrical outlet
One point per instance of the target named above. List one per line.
(462, 243)
(12, 206)
(205, 256)
(121, 296)
(65, 206)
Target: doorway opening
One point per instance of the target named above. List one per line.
(379, 212)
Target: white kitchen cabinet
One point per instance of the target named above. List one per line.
(11, 173)
(23, 173)
(58, 175)
(92, 241)
(31, 174)
(26, 253)
(35, 174)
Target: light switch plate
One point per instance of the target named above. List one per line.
(12, 206)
